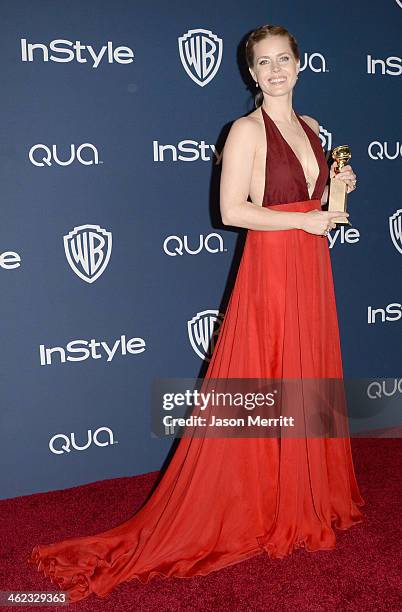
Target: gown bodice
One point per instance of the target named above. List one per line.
(285, 180)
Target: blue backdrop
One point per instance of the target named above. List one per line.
(110, 230)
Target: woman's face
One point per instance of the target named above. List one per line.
(275, 67)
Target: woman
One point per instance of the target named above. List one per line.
(224, 500)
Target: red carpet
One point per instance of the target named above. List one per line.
(363, 573)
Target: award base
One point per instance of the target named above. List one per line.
(337, 200)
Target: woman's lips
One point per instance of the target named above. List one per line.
(277, 80)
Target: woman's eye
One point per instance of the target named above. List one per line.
(285, 57)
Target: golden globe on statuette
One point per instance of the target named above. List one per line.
(338, 189)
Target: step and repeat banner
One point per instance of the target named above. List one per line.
(115, 268)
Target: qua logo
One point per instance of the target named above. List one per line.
(62, 443)
(42, 155)
(88, 249)
(201, 55)
(379, 150)
(386, 388)
(178, 245)
(314, 61)
(203, 331)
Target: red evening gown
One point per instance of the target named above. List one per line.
(223, 500)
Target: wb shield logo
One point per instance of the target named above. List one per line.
(88, 249)
(203, 331)
(201, 55)
(395, 229)
(326, 141)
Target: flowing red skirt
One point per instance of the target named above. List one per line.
(223, 500)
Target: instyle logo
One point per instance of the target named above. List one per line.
(391, 312)
(42, 155)
(80, 350)
(62, 443)
(314, 61)
(9, 260)
(380, 150)
(343, 236)
(203, 331)
(392, 65)
(187, 151)
(88, 249)
(201, 55)
(179, 245)
(64, 51)
(395, 229)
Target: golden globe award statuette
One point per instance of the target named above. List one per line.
(338, 189)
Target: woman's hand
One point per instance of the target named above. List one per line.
(346, 175)
(320, 222)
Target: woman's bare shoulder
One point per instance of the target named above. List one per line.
(311, 122)
(247, 127)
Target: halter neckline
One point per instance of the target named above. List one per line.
(301, 122)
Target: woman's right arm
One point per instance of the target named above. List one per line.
(237, 166)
